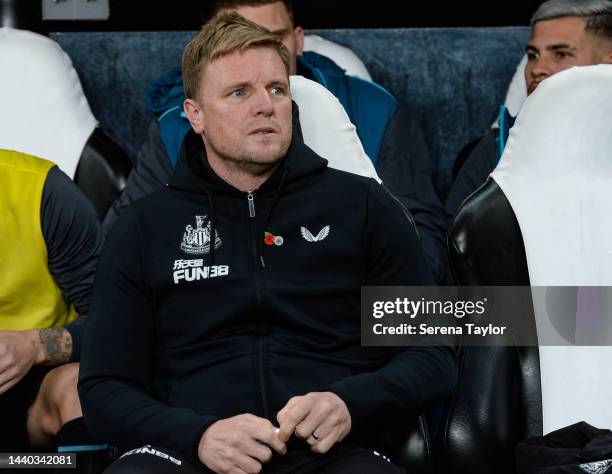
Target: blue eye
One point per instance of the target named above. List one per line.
(278, 91)
(237, 93)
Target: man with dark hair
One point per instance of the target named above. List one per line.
(389, 132)
(565, 33)
(224, 330)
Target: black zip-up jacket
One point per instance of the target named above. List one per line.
(178, 340)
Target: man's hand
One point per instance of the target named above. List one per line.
(320, 418)
(239, 445)
(19, 350)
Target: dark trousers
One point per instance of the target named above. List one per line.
(340, 460)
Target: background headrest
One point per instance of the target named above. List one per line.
(517, 90)
(556, 172)
(327, 129)
(341, 55)
(44, 111)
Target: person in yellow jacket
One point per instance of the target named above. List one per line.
(50, 240)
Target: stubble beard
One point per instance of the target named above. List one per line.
(248, 163)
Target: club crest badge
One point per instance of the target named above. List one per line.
(597, 467)
(197, 241)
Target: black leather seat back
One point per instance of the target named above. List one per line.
(498, 398)
(413, 448)
(485, 242)
(408, 445)
(102, 171)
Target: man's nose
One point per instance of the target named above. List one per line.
(541, 67)
(262, 103)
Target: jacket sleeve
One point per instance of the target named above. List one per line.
(405, 169)
(73, 237)
(414, 378)
(152, 171)
(473, 174)
(114, 380)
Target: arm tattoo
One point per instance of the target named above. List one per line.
(57, 344)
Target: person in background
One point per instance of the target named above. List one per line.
(564, 34)
(51, 240)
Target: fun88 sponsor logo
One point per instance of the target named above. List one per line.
(195, 270)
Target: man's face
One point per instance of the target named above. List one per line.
(244, 109)
(556, 45)
(275, 17)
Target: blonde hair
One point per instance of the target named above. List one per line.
(222, 35)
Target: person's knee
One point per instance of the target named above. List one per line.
(62, 392)
(57, 402)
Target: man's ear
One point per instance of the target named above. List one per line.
(299, 40)
(194, 115)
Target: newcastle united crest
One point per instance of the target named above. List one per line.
(197, 241)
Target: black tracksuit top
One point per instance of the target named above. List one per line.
(181, 334)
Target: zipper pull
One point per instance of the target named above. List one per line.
(251, 199)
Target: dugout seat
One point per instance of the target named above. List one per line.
(497, 402)
(539, 220)
(46, 114)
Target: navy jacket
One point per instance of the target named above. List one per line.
(198, 314)
(479, 163)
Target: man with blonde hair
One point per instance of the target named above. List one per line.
(388, 129)
(238, 349)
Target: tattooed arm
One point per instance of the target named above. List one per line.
(74, 238)
(56, 346)
(20, 350)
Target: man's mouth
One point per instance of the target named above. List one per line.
(262, 131)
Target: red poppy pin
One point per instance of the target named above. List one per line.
(271, 239)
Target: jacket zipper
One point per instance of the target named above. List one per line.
(260, 345)
(251, 201)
